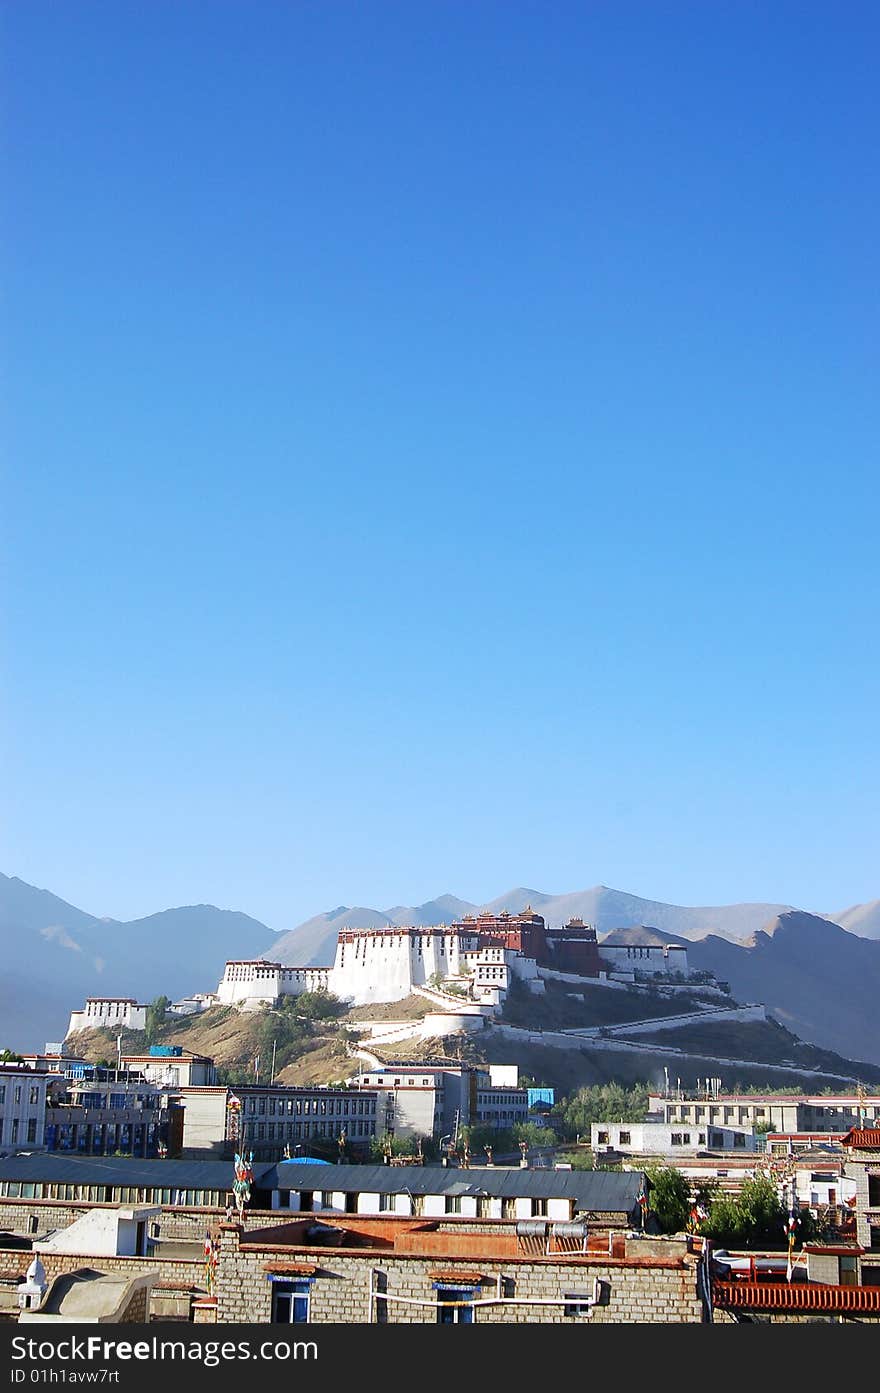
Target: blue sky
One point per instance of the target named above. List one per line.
(441, 452)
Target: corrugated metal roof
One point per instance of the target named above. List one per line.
(602, 1191)
(56, 1168)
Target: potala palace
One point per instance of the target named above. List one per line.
(465, 968)
(476, 957)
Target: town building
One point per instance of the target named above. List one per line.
(171, 1066)
(273, 1119)
(96, 1111)
(861, 1147)
(23, 1094)
(771, 1111)
(660, 1138)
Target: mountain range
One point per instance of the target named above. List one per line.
(818, 973)
(54, 955)
(313, 943)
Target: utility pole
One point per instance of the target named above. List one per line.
(272, 1075)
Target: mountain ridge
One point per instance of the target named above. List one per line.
(55, 954)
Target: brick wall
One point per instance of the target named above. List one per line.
(645, 1290)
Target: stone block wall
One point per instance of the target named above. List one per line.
(639, 1290)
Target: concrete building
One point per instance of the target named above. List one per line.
(421, 1099)
(273, 1119)
(107, 1111)
(108, 1013)
(500, 1106)
(23, 1094)
(171, 1066)
(104, 1232)
(659, 1138)
(781, 1112)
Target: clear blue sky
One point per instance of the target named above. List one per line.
(441, 451)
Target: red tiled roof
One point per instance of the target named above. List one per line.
(863, 1138)
(807, 1296)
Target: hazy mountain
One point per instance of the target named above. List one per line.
(23, 906)
(820, 979)
(444, 910)
(816, 978)
(55, 955)
(608, 909)
(313, 944)
(861, 919)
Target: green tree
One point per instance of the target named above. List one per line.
(156, 1017)
(669, 1198)
(318, 1006)
(754, 1219)
(607, 1102)
(386, 1144)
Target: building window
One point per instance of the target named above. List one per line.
(452, 1204)
(32, 1129)
(539, 1209)
(675, 1139)
(624, 1139)
(577, 1303)
(455, 1305)
(602, 1138)
(290, 1302)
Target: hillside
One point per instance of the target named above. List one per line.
(318, 1050)
(816, 978)
(233, 1039)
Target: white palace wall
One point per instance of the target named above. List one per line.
(385, 964)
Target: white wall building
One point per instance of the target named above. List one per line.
(652, 959)
(252, 983)
(384, 965)
(22, 1108)
(665, 1139)
(173, 1070)
(108, 1013)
